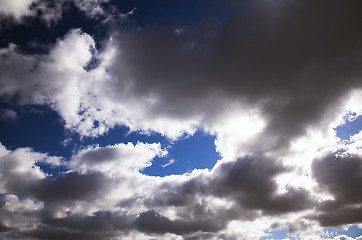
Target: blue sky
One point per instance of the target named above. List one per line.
(350, 128)
(180, 120)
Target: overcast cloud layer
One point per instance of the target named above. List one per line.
(270, 80)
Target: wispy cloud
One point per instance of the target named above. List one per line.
(168, 164)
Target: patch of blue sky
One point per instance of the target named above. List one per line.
(279, 234)
(165, 12)
(122, 134)
(352, 231)
(42, 129)
(186, 154)
(328, 233)
(37, 127)
(352, 126)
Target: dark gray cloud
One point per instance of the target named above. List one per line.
(99, 222)
(20, 176)
(340, 216)
(153, 222)
(3, 228)
(295, 60)
(44, 233)
(248, 182)
(339, 173)
(65, 187)
(101, 225)
(100, 155)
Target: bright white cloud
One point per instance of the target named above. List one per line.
(168, 163)
(17, 9)
(116, 160)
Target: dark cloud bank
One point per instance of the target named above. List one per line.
(294, 61)
(248, 184)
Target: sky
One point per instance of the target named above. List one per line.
(181, 120)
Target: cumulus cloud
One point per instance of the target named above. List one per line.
(68, 203)
(192, 205)
(344, 237)
(17, 9)
(184, 88)
(155, 223)
(164, 79)
(115, 160)
(270, 81)
(50, 11)
(275, 62)
(248, 183)
(340, 174)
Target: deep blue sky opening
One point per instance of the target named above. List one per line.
(189, 153)
(37, 127)
(42, 129)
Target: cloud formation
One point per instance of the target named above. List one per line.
(49, 11)
(270, 80)
(340, 174)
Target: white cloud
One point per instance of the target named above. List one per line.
(17, 9)
(19, 166)
(344, 237)
(92, 8)
(116, 160)
(51, 12)
(168, 163)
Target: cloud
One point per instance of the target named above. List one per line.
(50, 11)
(72, 201)
(155, 223)
(93, 203)
(18, 213)
(92, 8)
(169, 163)
(182, 88)
(248, 182)
(344, 237)
(241, 65)
(8, 115)
(340, 216)
(270, 81)
(19, 167)
(115, 160)
(17, 9)
(340, 174)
